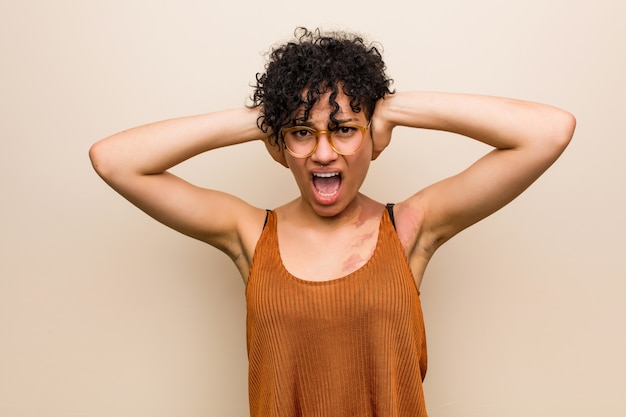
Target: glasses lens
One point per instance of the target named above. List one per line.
(300, 140)
(347, 139)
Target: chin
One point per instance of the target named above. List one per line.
(334, 209)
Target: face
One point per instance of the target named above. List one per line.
(329, 182)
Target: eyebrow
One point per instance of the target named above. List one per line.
(308, 123)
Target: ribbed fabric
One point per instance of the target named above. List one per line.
(349, 347)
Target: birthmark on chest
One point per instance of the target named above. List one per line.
(353, 263)
(360, 251)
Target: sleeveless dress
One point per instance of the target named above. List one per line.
(349, 347)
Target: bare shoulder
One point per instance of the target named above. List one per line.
(246, 225)
(419, 246)
(250, 228)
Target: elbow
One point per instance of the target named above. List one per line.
(558, 130)
(100, 160)
(95, 156)
(569, 126)
(564, 129)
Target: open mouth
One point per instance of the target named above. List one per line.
(327, 184)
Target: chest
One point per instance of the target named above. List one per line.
(326, 256)
(380, 290)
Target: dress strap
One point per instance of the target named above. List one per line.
(390, 211)
(267, 213)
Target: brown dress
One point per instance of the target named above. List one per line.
(349, 347)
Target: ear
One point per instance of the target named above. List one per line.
(277, 152)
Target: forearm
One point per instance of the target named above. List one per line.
(156, 147)
(499, 122)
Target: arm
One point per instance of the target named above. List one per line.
(527, 138)
(135, 164)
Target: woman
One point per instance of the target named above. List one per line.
(334, 322)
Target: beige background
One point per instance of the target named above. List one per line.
(106, 313)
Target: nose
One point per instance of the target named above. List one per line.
(324, 153)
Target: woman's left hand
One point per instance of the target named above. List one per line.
(380, 129)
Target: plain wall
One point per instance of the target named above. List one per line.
(106, 313)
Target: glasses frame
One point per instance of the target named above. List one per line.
(316, 133)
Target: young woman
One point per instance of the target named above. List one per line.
(334, 322)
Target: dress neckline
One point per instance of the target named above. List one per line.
(385, 218)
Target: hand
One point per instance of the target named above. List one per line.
(380, 129)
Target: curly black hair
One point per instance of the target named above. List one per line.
(318, 63)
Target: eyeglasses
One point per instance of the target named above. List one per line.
(345, 139)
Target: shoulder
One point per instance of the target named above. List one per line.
(411, 225)
(249, 221)
(411, 219)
